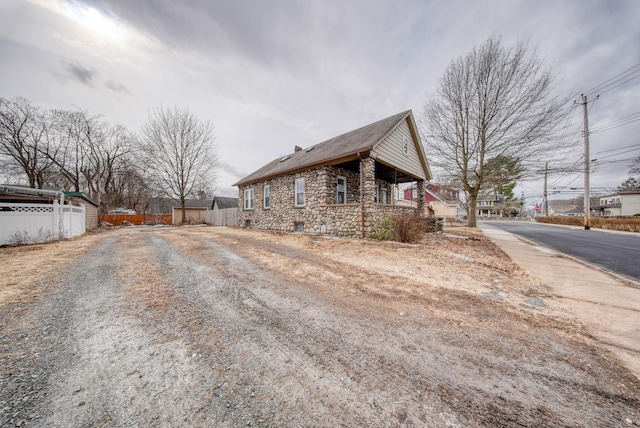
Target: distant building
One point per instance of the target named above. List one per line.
(441, 202)
(625, 203)
(490, 206)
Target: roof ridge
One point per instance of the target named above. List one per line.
(359, 140)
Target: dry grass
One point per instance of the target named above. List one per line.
(30, 270)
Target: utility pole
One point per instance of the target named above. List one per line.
(545, 202)
(587, 197)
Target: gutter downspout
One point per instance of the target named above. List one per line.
(361, 197)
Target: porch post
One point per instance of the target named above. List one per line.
(367, 189)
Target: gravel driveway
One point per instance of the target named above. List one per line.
(195, 327)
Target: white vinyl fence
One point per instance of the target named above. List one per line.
(22, 223)
(224, 217)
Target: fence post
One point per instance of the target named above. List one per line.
(55, 227)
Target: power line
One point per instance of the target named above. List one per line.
(614, 161)
(627, 120)
(629, 74)
(616, 154)
(619, 148)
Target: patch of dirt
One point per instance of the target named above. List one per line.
(205, 326)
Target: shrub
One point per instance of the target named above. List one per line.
(385, 232)
(408, 227)
(629, 224)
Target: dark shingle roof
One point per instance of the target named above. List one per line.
(224, 202)
(82, 196)
(360, 141)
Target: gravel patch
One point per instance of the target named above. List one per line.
(220, 327)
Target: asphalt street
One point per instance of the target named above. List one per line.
(616, 252)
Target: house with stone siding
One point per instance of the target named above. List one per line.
(344, 186)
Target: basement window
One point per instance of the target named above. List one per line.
(298, 226)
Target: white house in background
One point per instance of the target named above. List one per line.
(490, 206)
(37, 215)
(625, 203)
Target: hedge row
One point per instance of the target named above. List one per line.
(627, 224)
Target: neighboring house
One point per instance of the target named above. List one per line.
(490, 206)
(440, 202)
(39, 215)
(625, 203)
(343, 186)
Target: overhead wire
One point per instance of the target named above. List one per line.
(627, 120)
(628, 74)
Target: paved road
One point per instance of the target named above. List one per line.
(612, 251)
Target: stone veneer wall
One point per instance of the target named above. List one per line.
(320, 214)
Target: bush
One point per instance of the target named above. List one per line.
(628, 224)
(384, 233)
(408, 227)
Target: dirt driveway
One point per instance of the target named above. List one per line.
(227, 327)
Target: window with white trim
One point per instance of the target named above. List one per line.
(266, 201)
(341, 190)
(248, 199)
(299, 192)
(384, 196)
(376, 195)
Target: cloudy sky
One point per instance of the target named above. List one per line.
(274, 74)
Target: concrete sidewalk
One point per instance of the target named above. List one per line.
(607, 305)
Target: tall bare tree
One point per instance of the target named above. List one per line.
(494, 101)
(23, 141)
(74, 139)
(180, 152)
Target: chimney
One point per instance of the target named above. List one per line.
(297, 149)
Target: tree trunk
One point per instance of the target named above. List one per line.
(184, 211)
(471, 218)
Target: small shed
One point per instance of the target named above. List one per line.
(91, 208)
(193, 208)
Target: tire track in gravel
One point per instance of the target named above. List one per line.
(393, 377)
(180, 327)
(112, 370)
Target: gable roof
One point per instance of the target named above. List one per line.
(335, 150)
(224, 202)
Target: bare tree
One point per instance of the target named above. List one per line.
(74, 141)
(23, 140)
(180, 152)
(494, 101)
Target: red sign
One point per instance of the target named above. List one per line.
(537, 208)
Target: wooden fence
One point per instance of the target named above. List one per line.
(137, 219)
(225, 217)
